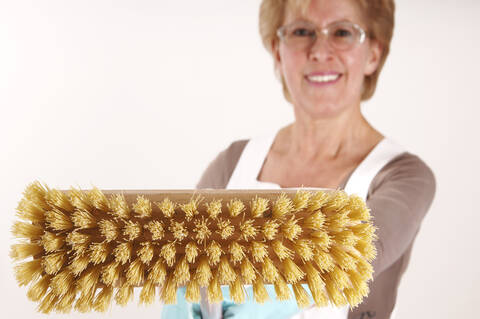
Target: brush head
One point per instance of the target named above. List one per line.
(87, 248)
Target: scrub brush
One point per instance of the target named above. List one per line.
(89, 247)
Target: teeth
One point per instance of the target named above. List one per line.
(323, 78)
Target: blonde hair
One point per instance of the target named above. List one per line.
(380, 21)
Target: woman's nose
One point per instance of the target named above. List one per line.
(320, 48)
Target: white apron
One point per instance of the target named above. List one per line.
(245, 177)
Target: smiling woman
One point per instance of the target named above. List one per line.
(328, 55)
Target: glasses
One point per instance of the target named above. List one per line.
(340, 36)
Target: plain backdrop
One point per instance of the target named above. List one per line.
(144, 94)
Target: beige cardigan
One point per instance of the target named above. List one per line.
(399, 197)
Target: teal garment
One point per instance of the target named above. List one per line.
(273, 309)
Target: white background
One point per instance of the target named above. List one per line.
(144, 94)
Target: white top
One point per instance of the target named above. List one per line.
(245, 176)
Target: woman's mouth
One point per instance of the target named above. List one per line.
(323, 79)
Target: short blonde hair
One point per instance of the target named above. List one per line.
(380, 21)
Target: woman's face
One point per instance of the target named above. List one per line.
(324, 97)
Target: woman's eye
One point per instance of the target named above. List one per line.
(303, 32)
(343, 33)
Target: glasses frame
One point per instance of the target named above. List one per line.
(281, 31)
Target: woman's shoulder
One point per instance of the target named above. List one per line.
(220, 169)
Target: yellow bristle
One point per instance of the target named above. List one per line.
(108, 229)
(248, 230)
(88, 281)
(201, 230)
(57, 220)
(119, 206)
(226, 274)
(99, 253)
(337, 200)
(237, 293)
(182, 272)
(191, 252)
(24, 250)
(321, 239)
(169, 291)
(27, 230)
(314, 221)
(214, 208)
(359, 285)
(259, 251)
(178, 230)
(156, 229)
(143, 207)
(281, 250)
(62, 282)
(258, 206)
(316, 285)
(111, 273)
(30, 211)
(39, 288)
(135, 272)
(301, 296)
(80, 199)
(203, 273)
(192, 293)
(324, 260)
(167, 207)
(52, 242)
(301, 200)
(365, 269)
(103, 300)
(79, 249)
(124, 294)
(337, 222)
(132, 230)
(77, 238)
(145, 253)
(83, 219)
(147, 294)
(304, 248)
(123, 252)
(52, 263)
(235, 207)
(358, 208)
(291, 271)
(334, 293)
(79, 264)
(317, 201)
(59, 199)
(339, 277)
(168, 252)
(290, 229)
(158, 272)
(48, 303)
(214, 251)
(282, 206)
(281, 288)
(269, 271)
(248, 272)
(366, 249)
(214, 292)
(343, 259)
(36, 193)
(225, 229)
(236, 251)
(345, 238)
(85, 302)
(270, 229)
(259, 291)
(98, 199)
(190, 208)
(353, 297)
(364, 230)
(65, 303)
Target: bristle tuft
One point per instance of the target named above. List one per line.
(192, 293)
(123, 252)
(191, 252)
(237, 292)
(158, 273)
(214, 292)
(108, 229)
(292, 272)
(235, 207)
(27, 230)
(168, 252)
(182, 273)
(203, 273)
(119, 206)
(301, 296)
(52, 242)
(269, 271)
(124, 294)
(178, 230)
(301, 200)
(111, 273)
(167, 207)
(214, 251)
(258, 206)
(99, 252)
(236, 251)
(52, 263)
(281, 250)
(214, 208)
(56, 198)
(58, 221)
(290, 229)
(281, 288)
(248, 272)
(147, 295)
(99, 200)
(259, 251)
(135, 272)
(132, 230)
(28, 271)
(143, 207)
(226, 274)
(103, 300)
(225, 228)
(156, 228)
(248, 230)
(24, 250)
(191, 208)
(304, 249)
(201, 230)
(259, 291)
(145, 253)
(282, 206)
(270, 229)
(80, 199)
(38, 290)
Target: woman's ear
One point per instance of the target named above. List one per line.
(375, 54)
(276, 53)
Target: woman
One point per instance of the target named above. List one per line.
(328, 55)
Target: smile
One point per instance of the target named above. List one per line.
(323, 79)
